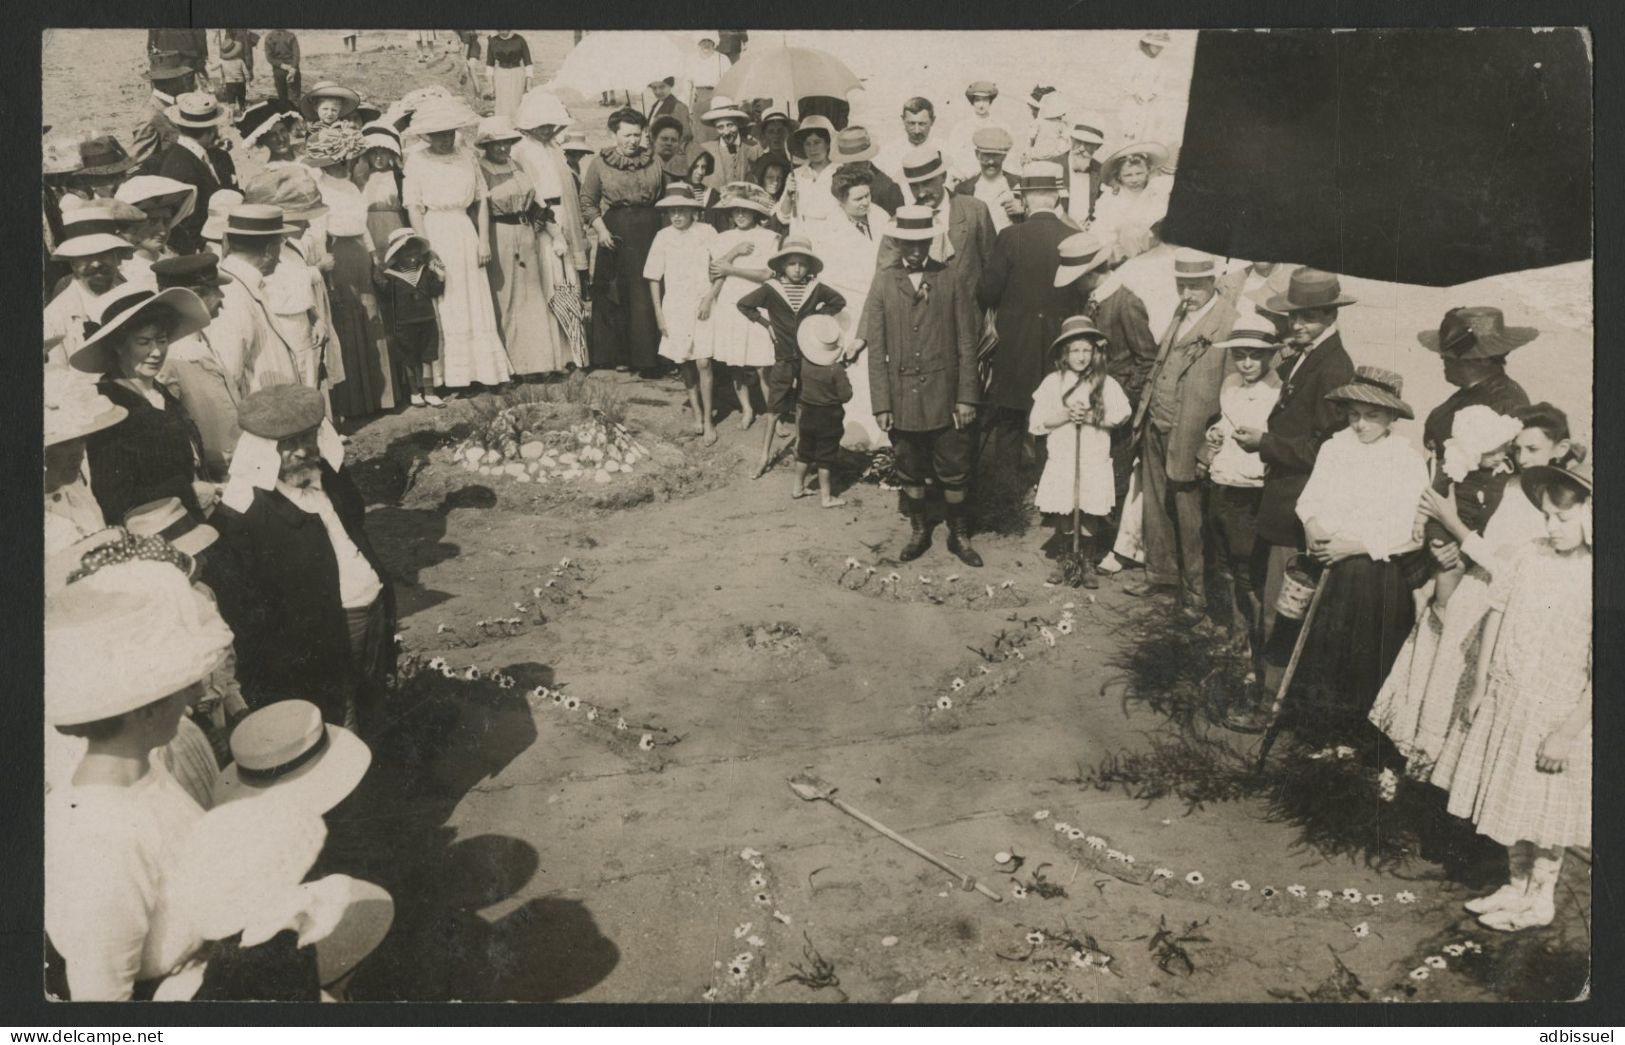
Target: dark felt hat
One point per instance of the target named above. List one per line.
(103, 155)
(1535, 480)
(190, 271)
(1310, 288)
(1476, 332)
(281, 411)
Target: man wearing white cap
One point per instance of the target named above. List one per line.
(1172, 419)
(1019, 281)
(95, 249)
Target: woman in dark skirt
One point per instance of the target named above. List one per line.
(1359, 512)
(156, 451)
(618, 195)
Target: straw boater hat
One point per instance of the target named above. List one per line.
(1080, 252)
(576, 141)
(992, 139)
(290, 189)
(1155, 155)
(776, 113)
(819, 338)
(125, 305)
(124, 637)
(494, 129)
(1041, 176)
(285, 750)
(1310, 288)
(796, 243)
(180, 197)
(260, 117)
(679, 194)
(1252, 332)
(398, 241)
(853, 145)
(983, 89)
(333, 144)
(197, 110)
(744, 195)
(221, 204)
(103, 155)
(96, 228)
(1536, 480)
(1194, 264)
(541, 108)
(74, 407)
(257, 221)
(1476, 332)
(348, 99)
(723, 108)
(915, 222)
(169, 519)
(1088, 127)
(922, 163)
(808, 126)
(1375, 386)
(1075, 327)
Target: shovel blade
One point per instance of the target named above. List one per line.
(810, 788)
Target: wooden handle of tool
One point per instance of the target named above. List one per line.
(925, 854)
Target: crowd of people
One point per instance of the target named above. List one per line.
(959, 300)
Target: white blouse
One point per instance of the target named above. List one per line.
(346, 207)
(1366, 491)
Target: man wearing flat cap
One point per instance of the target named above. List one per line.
(194, 369)
(991, 184)
(1019, 282)
(321, 611)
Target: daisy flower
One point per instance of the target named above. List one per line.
(1048, 636)
(1074, 833)
(571, 703)
(747, 854)
(646, 742)
(620, 725)
(782, 917)
(540, 693)
(1323, 894)
(1114, 854)
(1035, 937)
(1351, 895)
(507, 682)
(983, 669)
(1061, 825)
(1473, 946)
(1065, 627)
(472, 673)
(741, 930)
(1042, 814)
(758, 881)
(762, 898)
(1419, 973)
(957, 684)
(449, 671)
(1455, 950)
(758, 865)
(1241, 885)
(710, 994)
(437, 663)
(945, 703)
(852, 564)
(1018, 890)
(1405, 896)
(592, 714)
(1297, 891)
(1374, 899)
(924, 579)
(756, 941)
(1194, 878)
(737, 971)
(1082, 960)
(1433, 961)
(1019, 655)
(1095, 842)
(1162, 872)
(894, 576)
(1363, 930)
(1128, 858)
(1268, 892)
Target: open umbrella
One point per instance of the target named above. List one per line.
(618, 61)
(1388, 153)
(787, 72)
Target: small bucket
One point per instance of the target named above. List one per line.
(1297, 588)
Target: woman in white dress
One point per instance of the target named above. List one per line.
(808, 203)
(1129, 213)
(441, 183)
(849, 245)
(562, 238)
(740, 265)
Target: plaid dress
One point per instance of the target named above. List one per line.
(1540, 668)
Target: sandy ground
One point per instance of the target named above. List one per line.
(532, 859)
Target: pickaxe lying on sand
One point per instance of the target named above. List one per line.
(812, 789)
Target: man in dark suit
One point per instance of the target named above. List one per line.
(171, 78)
(968, 246)
(1302, 420)
(1019, 281)
(192, 158)
(921, 335)
(1180, 399)
(992, 185)
(319, 611)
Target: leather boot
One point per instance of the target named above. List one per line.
(919, 537)
(959, 536)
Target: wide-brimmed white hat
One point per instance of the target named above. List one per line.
(126, 304)
(124, 637)
(95, 228)
(75, 407)
(152, 188)
(240, 859)
(168, 518)
(436, 115)
(285, 749)
(540, 108)
(819, 338)
(1080, 253)
(399, 239)
(723, 108)
(1154, 153)
(497, 128)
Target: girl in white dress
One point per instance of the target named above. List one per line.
(740, 265)
(1075, 408)
(441, 183)
(678, 271)
(1130, 210)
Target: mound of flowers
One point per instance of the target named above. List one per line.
(545, 442)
